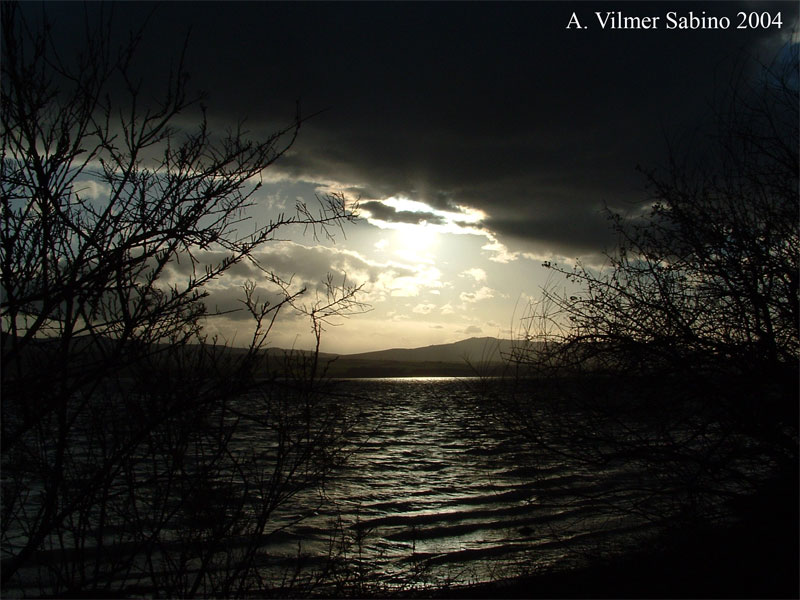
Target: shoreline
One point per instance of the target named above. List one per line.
(755, 557)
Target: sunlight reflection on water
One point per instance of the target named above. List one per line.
(432, 484)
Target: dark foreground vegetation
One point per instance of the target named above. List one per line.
(128, 466)
(679, 359)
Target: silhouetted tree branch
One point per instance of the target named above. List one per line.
(673, 369)
(124, 463)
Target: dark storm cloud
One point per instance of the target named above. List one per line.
(495, 106)
(569, 234)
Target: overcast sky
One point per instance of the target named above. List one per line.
(481, 138)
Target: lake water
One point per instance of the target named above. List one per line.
(432, 494)
(435, 496)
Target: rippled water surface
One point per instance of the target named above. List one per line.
(434, 494)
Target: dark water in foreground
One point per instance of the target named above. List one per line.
(434, 493)
(434, 496)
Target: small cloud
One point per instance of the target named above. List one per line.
(499, 251)
(473, 329)
(395, 316)
(423, 278)
(91, 189)
(423, 309)
(476, 273)
(482, 294)
(381, 244)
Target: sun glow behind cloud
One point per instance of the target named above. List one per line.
(428, 275)
(416, 243)
(417, 227)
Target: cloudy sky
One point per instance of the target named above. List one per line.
(480, 139)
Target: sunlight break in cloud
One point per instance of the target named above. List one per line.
(417, 222)
(399, 212)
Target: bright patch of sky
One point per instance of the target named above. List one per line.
(453, 221)
(427, 279)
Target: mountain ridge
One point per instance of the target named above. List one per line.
(468, 357)
(474, 349)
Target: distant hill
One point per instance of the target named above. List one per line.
(485, 356)
(473, 356)
(476, 350)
